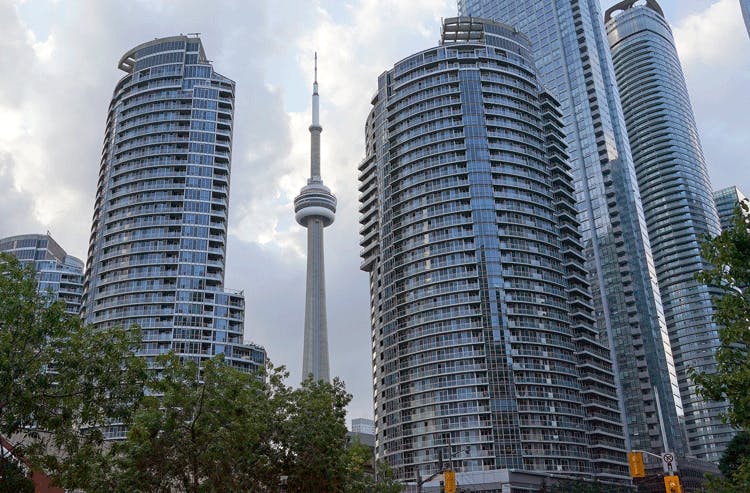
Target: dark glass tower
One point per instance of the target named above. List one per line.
(158, 239)
(572, 56)
(727, 200)
(484, 344)
(677, 201)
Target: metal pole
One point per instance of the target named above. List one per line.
(665, 442)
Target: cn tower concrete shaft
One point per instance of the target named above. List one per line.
(315, 357)
(315, 208)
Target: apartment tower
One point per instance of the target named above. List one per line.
(727, 200)
(572, 56)
(485, 351)
(158, 240)
(58, 273)
(677, 202)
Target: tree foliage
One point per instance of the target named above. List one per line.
(738, 482)
(60, 381)
(735, 467)
(737, 452)
(313, 437)
(211, 430)
(221, 430)
(364, 477)
(13, 478)
(383, 481)
(195, 430)
(729, 256)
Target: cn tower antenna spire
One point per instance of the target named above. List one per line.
(315, 209)
(315, 127)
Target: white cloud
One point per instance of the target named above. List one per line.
(713, 47)
(713, 36)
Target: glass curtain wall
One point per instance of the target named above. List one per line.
(572, 55)
(677, 202)
(485, 351)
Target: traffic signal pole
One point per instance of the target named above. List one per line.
(449, 476)
(638, 470)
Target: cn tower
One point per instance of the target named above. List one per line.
(315, 208)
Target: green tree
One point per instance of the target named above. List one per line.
(314, 437)
(222, 430)
(211, 430)
(12, 478)
(729, 256)
(737, 452)
(739, 482)
(735, 466)
(60, 381)
(366, 476)
(383, 482)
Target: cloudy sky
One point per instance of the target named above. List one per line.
(59, 59)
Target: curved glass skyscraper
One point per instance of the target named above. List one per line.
(574, 63)
(57, 272)
(158, 239)
(485, 351)
(677, 201)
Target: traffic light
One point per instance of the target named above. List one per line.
(672, 484)
(450, 481)
(637, 470)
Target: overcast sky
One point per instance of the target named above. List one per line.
(59, 68)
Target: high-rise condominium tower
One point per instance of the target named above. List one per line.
(727, 200)
(677, 201)
(745, 5)
(485, 351)
(57, 272)
(572, 56)
(158, 239)
(315, 207)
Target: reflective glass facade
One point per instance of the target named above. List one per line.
(572, 56)
(677, 202)
(158, 240)
(58, 273)
(745, 5)
(485, 350)
(727, 200)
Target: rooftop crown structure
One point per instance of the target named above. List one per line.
(314, 209)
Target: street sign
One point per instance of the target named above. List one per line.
(670, 463)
